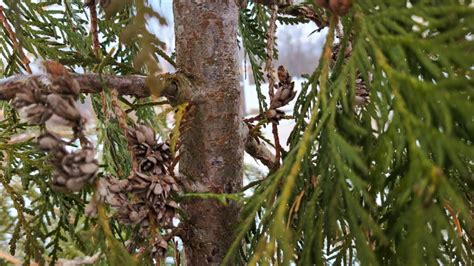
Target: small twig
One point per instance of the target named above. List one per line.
(253, 119)
(96, 48)
(16, 46)
(175, 162)
(94, 31)
(271, 78)
(454, 217)
(277, 145)
(258, 150)
(270, 43)
(122, 120)
(140, 105)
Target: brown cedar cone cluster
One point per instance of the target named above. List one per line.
(284, 94)
(143, 199)
(39, 100)
(362, 95)
(338, 7)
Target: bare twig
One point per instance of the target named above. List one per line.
(96, 47)
(94, 31)
(258, 150)
(122, 121)
(454, 218)
(270, 44)
(253, 119)
(277, 145)
(16, 46)
(271, 75)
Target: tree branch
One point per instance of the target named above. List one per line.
(133, 85)
(257, 150)
(304, 10)
(308, 12)
(274, 2)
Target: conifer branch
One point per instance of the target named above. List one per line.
(258, 150)
(304, 11)
(133, 85)
(272, 77)
(24, 60)
(270, 44)
(274, 2)
(96, 46)
(122, 122)
(94, 31)
(125, 85)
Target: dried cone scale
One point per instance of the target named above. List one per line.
(285, 92)
(285, 89)
(361, 93)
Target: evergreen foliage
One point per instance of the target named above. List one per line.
(389, 183)
(386, 183)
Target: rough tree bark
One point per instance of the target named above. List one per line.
(206, 48)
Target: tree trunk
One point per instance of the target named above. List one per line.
(206, 48)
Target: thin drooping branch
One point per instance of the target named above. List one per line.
(16, 45)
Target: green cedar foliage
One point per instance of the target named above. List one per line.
(38, 224)
(390, 183)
